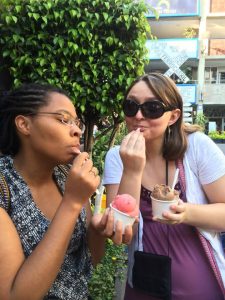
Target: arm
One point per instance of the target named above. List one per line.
(132, 153)
(30, 278)
(208, 216)
(96, 241)
(111, 192)
(121, 180)
(101, 227)
(208, 164)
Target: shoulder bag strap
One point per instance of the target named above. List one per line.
(4, 190)
(205, 243)
(64, 169)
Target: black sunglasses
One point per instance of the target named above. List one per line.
(150, 109)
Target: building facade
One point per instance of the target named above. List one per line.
(190, 48)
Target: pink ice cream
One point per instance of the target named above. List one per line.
(126, 204)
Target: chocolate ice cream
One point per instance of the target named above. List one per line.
(164, 192)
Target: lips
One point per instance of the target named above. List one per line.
(142, 128)
(76, 149)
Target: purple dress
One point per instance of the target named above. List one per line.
(192, 276)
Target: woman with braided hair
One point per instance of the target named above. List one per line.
(48, 237)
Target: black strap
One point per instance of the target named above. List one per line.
(167, 172)
(167, 226)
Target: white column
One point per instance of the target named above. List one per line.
(203, 50)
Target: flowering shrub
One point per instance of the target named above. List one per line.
(217, 135)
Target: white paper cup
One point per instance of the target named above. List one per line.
(120, 216)
(160, 206)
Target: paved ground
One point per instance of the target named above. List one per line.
(120, 287)
(222, 147)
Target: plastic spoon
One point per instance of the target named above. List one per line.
(175, 179)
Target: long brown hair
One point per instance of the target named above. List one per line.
(175, 138)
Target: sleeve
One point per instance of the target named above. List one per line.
(208, 157)
(113, 167)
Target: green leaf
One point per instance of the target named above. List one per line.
(107, 4)
(14, 19)
(56, 15)
(15, 38)
(75, 47)
(6, 53)
(109, 40)
(55, 40)
(105, 15)
(53, 65)
(36, 16)
(18, 8)
(61, 43)
(8, 19)
(45, 19)
(42, 62)
(73, 12)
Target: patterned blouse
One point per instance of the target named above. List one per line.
(72, 280)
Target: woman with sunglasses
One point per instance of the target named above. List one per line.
(48, 238)
(184, 251)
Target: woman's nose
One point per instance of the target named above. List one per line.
(75, 131)
(139, 114)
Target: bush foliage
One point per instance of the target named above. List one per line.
(102, 284)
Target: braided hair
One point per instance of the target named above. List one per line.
(25, 100)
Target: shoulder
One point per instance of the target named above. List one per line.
(204, 158)
(198, 137)
(113, 167)
(113, 157)
(113, 152)
(201, 144)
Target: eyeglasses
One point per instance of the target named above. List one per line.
(150, 109)
(65, 118)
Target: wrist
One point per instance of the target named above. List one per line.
(72, 204)
(188, 213)
(134, 174)
(96, 233)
